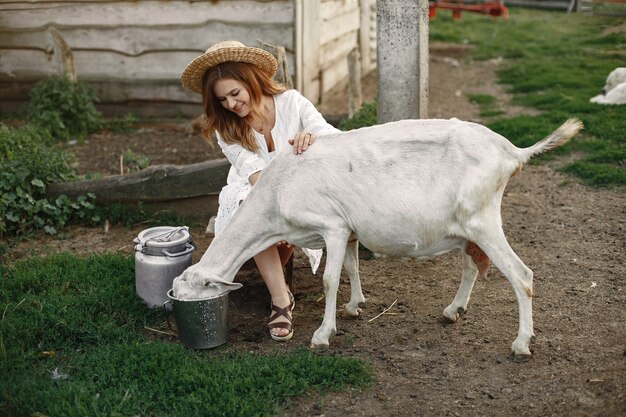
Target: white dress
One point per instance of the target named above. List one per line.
(293, 114)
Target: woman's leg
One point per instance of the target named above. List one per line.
(285, 251)
(270, 264)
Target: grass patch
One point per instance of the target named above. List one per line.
(487, 105)
(72, 343)
(554, 62)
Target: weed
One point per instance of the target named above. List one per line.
(28, 162)
(134, 162)
(366, 116)
(63, 107)
(124, 124)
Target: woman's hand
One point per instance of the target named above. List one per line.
(302, 141)
(283, 243)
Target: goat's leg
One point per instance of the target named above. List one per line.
(470, 272)
(494, 243)
(351, 265)
(335, 253)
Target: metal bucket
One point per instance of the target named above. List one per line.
(161, 254)
(201, 324)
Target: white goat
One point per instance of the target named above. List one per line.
(413, 188)
(614, 91)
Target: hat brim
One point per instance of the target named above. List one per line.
(191, 77)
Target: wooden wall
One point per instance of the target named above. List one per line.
(132, 52)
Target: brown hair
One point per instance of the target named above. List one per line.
(232, 128)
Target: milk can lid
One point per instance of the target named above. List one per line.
(162, 237)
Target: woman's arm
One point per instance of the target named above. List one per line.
(313, 124)
(312, 120)
(246, 163)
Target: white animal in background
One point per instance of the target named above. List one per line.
(413, 188)
(614, 92)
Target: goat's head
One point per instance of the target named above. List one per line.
(196, 283)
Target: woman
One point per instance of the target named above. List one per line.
(254, 119)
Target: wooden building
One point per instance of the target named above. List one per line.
(132, 52)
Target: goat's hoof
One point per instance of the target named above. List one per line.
(352, 313)
(319, 348)
(520, 352)
(451, 315)
(520, 357)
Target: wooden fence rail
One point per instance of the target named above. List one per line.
(189, 190)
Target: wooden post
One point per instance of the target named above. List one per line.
(65, 53)
(364, 35)
(307, 53)
(355, 95)
(402, 59)
(282, 73)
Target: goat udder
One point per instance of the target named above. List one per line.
(479, 257)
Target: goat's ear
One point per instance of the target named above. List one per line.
(225, 287)
(222, 284)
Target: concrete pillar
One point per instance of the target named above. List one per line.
(402, 59)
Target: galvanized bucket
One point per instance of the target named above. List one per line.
(200, 324)
(161, 254)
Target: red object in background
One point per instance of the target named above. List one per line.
(493, 8)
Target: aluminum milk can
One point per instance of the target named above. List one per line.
(161, 254)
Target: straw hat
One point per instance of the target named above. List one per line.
(191, 77)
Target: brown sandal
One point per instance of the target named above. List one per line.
(286, 313)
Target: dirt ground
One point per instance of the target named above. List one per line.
(571, 236)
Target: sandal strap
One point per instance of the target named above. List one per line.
(281, 311)
(280, 325)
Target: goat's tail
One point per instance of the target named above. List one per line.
(559, 137)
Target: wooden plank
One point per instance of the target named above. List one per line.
(161, 13)
(110, 91)
(334, 74)
(96, 65)
(333, 8)
(39, 3)
(310, 48)
(338, 48)
(338, 26)
(283, 75)
(134, 41)
(355, 92)
(154, 184)
(367, 9)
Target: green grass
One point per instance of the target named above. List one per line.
(487, 105)
(80, 320)
(554, 62)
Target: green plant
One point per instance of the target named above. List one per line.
(124, 124)
(28, 162)
(134, 162)
(73, 342)
(365, 116)
(63, 107)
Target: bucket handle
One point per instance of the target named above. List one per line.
(167, 317)
(190, 248)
